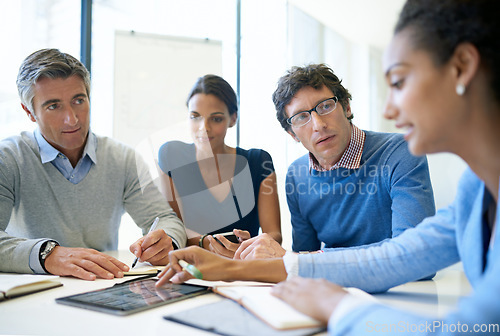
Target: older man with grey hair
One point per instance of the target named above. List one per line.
(63, 189)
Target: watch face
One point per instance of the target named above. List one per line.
(48, 249)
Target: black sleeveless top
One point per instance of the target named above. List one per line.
(203, 213)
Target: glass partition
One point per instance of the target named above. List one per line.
(26, 26)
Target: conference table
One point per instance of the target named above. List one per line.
(39, 314)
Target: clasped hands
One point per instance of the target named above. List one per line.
(89, 264)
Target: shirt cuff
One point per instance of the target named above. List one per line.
(35, 264)
(291, 261)
(175, 244)
(355, 299)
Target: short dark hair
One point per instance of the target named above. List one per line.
(313, 75)
(217, 86)
(49, 63)
(438, 27)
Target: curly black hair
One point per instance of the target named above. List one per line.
(440, 26)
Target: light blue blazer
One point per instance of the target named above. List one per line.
(454, 234)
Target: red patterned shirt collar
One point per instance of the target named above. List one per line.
(351, 158)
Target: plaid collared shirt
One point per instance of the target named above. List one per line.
(351, 157)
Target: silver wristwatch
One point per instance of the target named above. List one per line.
(49, 248)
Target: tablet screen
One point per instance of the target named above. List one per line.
(132, 296)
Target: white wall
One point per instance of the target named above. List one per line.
(264, 60)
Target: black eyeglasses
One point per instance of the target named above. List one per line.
(323, 108)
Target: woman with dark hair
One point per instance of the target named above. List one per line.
(213, 187)
(443, 69)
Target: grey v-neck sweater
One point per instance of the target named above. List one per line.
(37, 202)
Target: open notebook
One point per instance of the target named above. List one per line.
(14, 285)
(144, 268)
(256, 298)
(259, 301)
(227, 317)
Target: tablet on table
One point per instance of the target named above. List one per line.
(132, 296)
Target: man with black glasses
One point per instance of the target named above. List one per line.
(354, 187)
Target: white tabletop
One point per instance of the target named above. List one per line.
(435, 297)
(39, 314)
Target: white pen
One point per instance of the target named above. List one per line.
(151, 229)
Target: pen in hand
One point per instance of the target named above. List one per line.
(191, 269)
(153, 227)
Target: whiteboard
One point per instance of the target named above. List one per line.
(153, 75)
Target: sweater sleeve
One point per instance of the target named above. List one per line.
(477, 314)
(14, 251)
(143, 201)
(304, 236)
(409, 185)
(6, 192)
